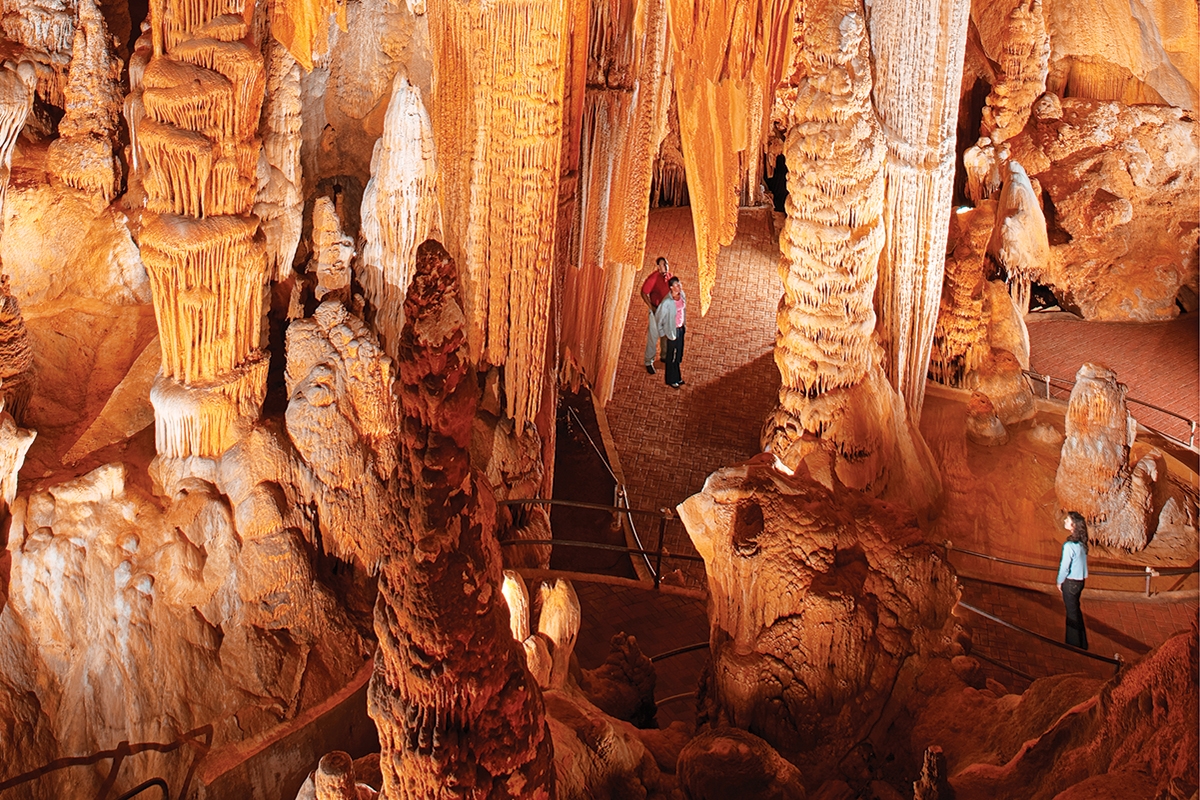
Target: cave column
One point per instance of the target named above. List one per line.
(202, 91)
(919, 47)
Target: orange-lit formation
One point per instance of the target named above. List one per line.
(331, 469)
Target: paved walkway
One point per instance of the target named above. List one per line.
(669, 441)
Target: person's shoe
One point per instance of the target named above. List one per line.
(650, 369)
(675, 385)
(681, 382)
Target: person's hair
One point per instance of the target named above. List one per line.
(661, 261)
(672, 282)
(1078, 529)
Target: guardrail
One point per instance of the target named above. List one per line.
(1050, 383)
(1150, 572)
(200, 739)
(659, 552)
(1116, 660)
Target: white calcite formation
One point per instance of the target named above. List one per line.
(960, 342)
(17, 85)
(333, 251)
(1095, 476)
(400, 209)
(818, 599)
(279, 199)
(1019, 239)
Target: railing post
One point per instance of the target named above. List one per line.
(658, 551)
(1192, 441)
(1150, 573)
(1047, 379)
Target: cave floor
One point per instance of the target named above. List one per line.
(669, 441)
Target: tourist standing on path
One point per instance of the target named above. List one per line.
(1072, 571)
(674, 354)
(654, 289)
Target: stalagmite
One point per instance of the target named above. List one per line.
(82, 157)
(833, 394)
(1094, 475)
(202, 248)
(399, 209)
(457, 711)
(333, 251)
(16, 356)
(497, 122)
(279, 199)
(918, 56)
(624, 120)
(818, 601)
(1024, 61)
(983, 425)
(960, 342)
(1019, 240)
(724, 66)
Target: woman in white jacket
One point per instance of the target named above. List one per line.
(669, 319)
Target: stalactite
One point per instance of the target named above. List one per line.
(399, 209)
(82, 157)
(497, 122)
(1024, 62)
(960, 342)
(624, 120)
(207, 419)
(177, 21)
(133, 109)
(721, 64)
(1020, 241)
(279, 201)
(17, 86)
(1094, 475)
(918, 52)
(457, 711)
(302, 26)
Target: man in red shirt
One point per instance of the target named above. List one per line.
(654, 289)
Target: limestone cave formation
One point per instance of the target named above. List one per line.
(314, 314)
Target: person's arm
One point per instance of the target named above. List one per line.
(647, 285)
(1064, 565)
(664, 318)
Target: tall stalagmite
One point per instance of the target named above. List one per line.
(833, 394)
(960, 343)
(623, 122)
(918, 47)
(458, 713)
(399, 208)
(1094, 475)
(203, 250)
(497, 116)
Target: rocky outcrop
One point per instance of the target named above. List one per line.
(818, 599)
(1094, 475)
(727, 763)
(1121, 206)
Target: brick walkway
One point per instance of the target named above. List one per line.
(669, 441)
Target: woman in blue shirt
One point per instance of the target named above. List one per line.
(1072, 571)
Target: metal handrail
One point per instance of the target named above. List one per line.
(1150, 572)
(1117, 661)
(551, 501)
(615, 548)
(141, 787)
(678, 651)
(1069, 384)
(199, 738)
